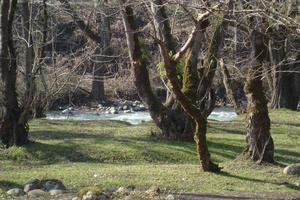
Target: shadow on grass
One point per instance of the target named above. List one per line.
(57, 147)
(228, 131)
(78, 147)
(287, 156)
(6, 185)
(225, 150)
(207, 196)
(106, 123)
(288, 185)
(49, 154)
(286, 124)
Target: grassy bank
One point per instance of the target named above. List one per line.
(115, 154)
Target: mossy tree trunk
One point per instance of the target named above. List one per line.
(12, 130)
(169, 123)
(184, 124)
(188, 95)
(260, 146)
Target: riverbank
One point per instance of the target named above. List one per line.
(115, 154)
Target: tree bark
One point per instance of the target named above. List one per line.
(195, 113)
(80, 23)
(185, 124)
(12, 131)
(29, 76)
(229, 89)
(103, 22)
(260, 146)
(189, 96)
(166, 119)
(162, 24)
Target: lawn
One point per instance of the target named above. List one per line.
(113, 154)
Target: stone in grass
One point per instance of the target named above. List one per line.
(91, 196)
(55, 192)
(170, 197)
(293, 169)
(89, 191)
(31, 185)
(130, 188)
(53, 184)
(153, 191)
(17, 192)
(123, 191)
(37, 193)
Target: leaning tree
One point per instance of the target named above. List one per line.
(193, 94)
(169, 116)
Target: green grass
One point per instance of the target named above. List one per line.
(112, 154)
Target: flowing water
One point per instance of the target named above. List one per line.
(219, 114)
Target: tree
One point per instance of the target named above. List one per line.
(103, 51)
(186, 98)
(260, 146)
(13, 131)
(159, 113)
(169, 117)
(101, 37)
(231, 94)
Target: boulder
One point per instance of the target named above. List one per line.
(89, 193)
(68, 111)
(37, 193)
(153, 190)
(89, 196)
(170, 197)
(31, 185)
(123, 191)
(293, 169)
(130, 188)
(128, 111)
(114, 110)
(55, 192)
(53, 184)
(17, 192)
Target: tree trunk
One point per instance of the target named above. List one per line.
(200, 120)
(168, 120)
(103, 22)
(188, 97)
(185, 124)
(12, 131)
(29, 78)
(229, 89)
(260, 146)
(162, 24)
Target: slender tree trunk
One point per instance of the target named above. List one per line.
(29, 62)
(229, 89)
(260, 146)
(103, 22)
(41, 101)
(12, 131)
(162, 24)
